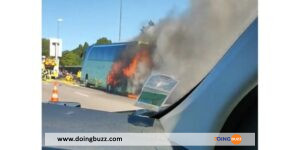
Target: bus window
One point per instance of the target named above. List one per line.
(95, 54)
(106, 54)
(100, 54)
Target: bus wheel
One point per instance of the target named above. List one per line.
(86, 82)
(108, 88)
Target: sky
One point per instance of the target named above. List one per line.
(88, 20)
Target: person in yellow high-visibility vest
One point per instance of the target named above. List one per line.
(78, 74)
(69, 77)
(55, 73)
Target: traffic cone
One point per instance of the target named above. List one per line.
(54, 96)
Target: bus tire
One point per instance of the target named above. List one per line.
(108, 88)
(86, 81)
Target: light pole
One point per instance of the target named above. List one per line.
(58, 23)
(120, 23)
(57, 44)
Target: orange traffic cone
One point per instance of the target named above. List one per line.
(54, 96)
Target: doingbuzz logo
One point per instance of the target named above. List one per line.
(235, 139)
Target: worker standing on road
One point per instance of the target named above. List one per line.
(78, 74)
(55, 74)
(69, 77)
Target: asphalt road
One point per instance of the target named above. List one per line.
(88, 98)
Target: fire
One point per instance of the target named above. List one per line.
(124, 74)
(112, 76)
(141, 57)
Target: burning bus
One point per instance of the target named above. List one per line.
(119, 68)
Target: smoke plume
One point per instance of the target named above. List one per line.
(187, 47)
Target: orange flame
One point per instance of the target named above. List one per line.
(120, 71)
(111, 78)
(141, 56)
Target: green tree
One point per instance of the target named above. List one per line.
(70, 58)
(78, 50)
(81, 49)
(102, 41)
(45, 47)
(85, 46)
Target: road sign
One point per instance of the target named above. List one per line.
(55, 47)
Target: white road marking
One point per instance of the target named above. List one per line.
(81, 94)
(70, 113)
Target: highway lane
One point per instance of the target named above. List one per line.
(89, 98)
